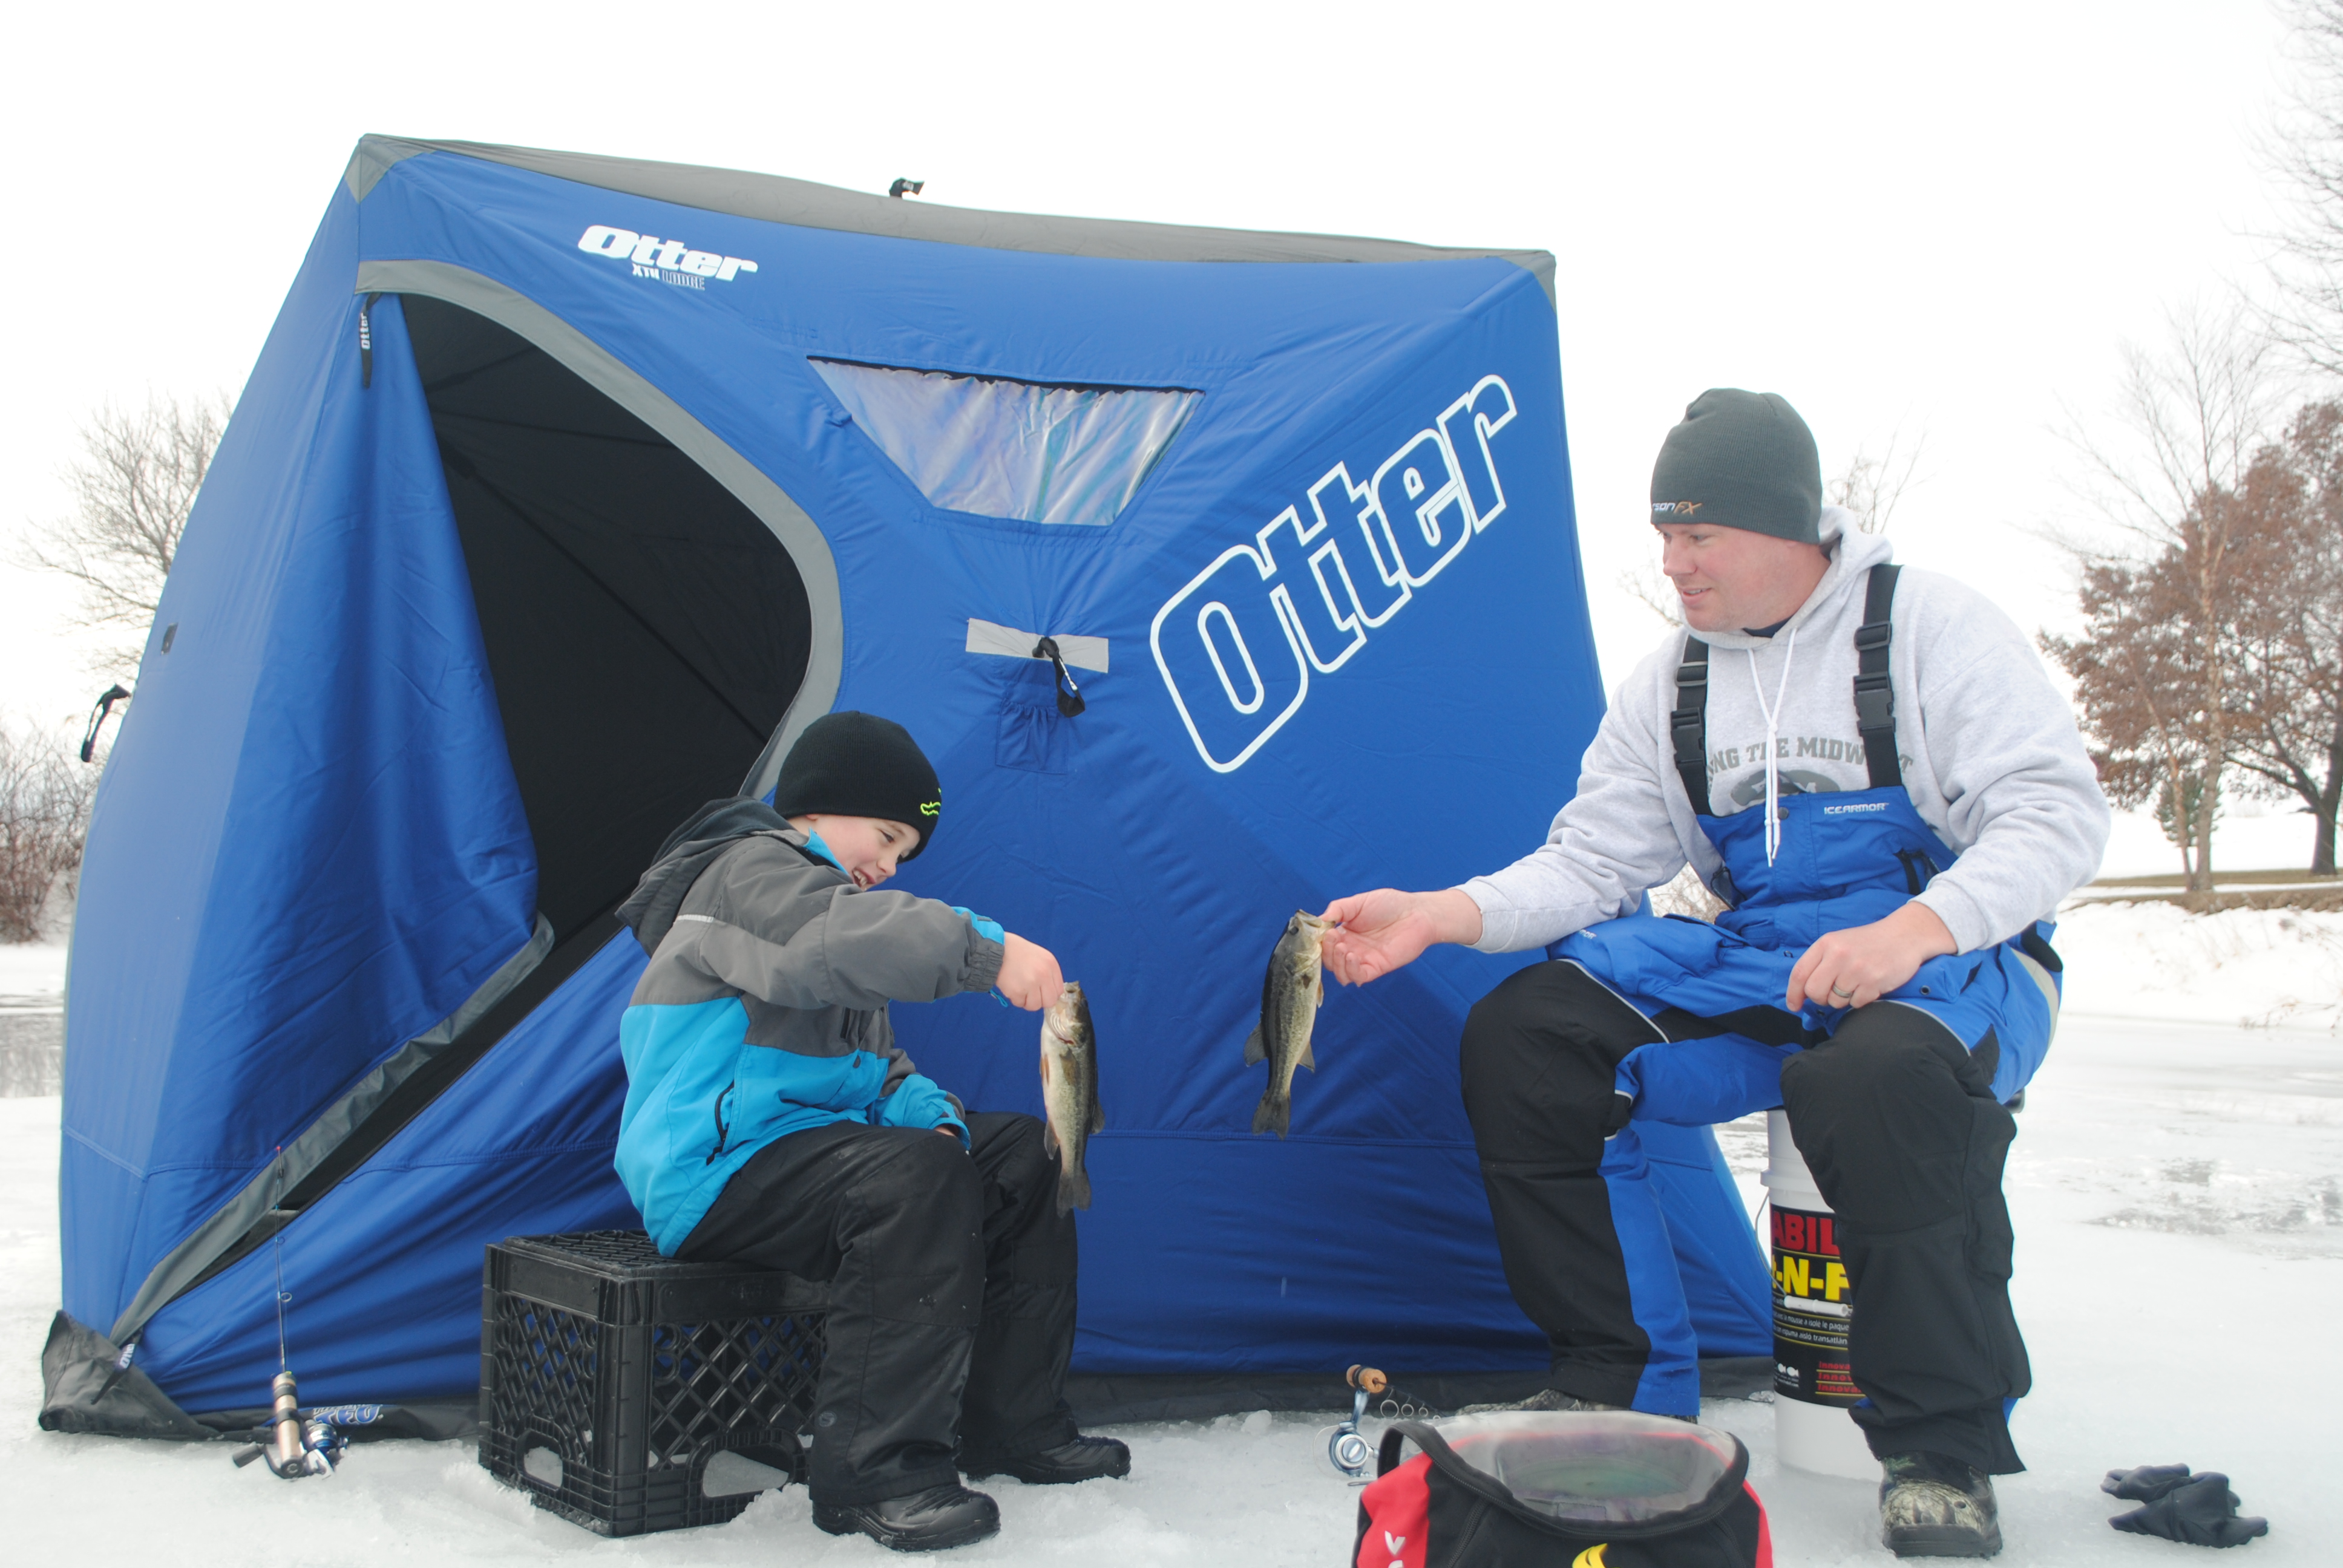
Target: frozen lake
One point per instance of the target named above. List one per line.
(2178, 1193)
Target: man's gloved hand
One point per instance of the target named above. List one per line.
(2196, 1510)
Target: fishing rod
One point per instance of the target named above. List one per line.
(294, 1448)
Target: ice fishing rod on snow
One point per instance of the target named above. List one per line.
(294, 1448)
(1347, 1448)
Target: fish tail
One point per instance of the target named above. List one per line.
(1073, 1189)
(1275, 1113)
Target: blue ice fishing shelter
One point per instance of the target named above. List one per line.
(566, 491)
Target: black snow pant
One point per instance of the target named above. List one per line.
(1894, 1117)
(951, 1286)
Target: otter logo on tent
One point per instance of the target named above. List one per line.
(1236, 647)
(668, 261)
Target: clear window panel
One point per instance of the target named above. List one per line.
(1018, 449)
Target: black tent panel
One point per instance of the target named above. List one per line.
(645, 629)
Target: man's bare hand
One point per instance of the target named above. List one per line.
(1856, 967)
(1387, 930)
(1028, 974)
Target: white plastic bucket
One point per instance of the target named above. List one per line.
(1813, 1308)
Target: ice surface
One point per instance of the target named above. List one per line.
(2178, 1194)
(32, 1020)
(33, 971)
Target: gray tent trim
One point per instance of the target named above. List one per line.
(602, 370)
(775, 199)
(253, 1211)
(253, 1204)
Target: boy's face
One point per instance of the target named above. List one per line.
(867, 847)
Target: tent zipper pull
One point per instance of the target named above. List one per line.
(1069, 695)
(365, 341)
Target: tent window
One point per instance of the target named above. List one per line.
(1016, 449)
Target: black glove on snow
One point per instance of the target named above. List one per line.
(2196, 1510)
(2145, 1484)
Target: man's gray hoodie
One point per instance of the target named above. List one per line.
(1991, 757)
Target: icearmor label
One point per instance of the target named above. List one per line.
(1239, 645)
(669, 261)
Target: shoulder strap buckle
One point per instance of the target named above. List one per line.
(1688, 724)
(1875, 689)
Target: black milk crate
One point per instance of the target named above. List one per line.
(635, 1370)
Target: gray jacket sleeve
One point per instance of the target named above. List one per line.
(2018, 794)
(798, 936)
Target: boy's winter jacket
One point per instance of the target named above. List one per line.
(764, 1008)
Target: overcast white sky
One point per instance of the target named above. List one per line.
(1938, 218)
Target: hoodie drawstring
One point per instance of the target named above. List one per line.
(1773, 738)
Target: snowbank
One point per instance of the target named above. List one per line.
(2250, 968)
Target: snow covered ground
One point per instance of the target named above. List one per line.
(2178, 1186)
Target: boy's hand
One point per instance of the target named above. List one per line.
(1029, 974)
(1388, 930)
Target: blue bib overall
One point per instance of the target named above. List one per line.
(1844, 858)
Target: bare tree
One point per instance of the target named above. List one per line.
(1648, 587)
(132, 487)
(2305, 150)
(1870, 487)
(45, 804)
(2166, 481)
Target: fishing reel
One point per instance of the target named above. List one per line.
(1348, 1449)
(294, 1448)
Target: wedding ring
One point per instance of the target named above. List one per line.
(1836, 991)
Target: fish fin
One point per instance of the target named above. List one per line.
(1073, 1191)
(1256, 1051)
(1049, 1139)
(1305, 1058)
(1273, 1114)
(1098, 1114)
(1319, 981)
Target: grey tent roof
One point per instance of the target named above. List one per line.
(807, 205)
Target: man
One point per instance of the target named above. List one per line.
(1869, 765)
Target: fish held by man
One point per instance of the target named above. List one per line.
(1070, 1097)
(1292, 993)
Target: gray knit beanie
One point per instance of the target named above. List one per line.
(1741, 460)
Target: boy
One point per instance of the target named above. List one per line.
(771, 1117)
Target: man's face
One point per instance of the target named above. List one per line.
(867, 848)
(1734, 579)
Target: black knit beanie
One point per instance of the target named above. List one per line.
(1741, 460)
(861, 765)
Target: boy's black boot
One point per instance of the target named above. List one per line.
(1932, 1505)
(931, 1521)
(1083, 1459)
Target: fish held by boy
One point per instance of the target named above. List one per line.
(1292, 993)
(1070, 1091)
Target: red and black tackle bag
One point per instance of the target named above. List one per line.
(1581, 1489)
